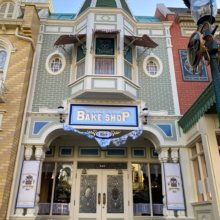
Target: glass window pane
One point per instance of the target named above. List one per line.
(47, 178)
(105, 46)
(62, 192)
(80, 52)
(128, 70)
(80, 69)
(3, 56)
(152, 68)
(156, 189)
(140, 182)
(197, 178)
(205, 174)
(104, 66)
(128, 53)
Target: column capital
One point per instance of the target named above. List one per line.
(28, 151)
(164, 154)
(39, 152)
(175, 154)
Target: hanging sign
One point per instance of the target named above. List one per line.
(174, 187)
(28, 184)
(99, 115)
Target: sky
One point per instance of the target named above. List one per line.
(143, 7)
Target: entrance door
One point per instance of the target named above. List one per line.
(101, 195)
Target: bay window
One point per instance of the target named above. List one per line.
(128, 62)
(105, 56)
(80, 61)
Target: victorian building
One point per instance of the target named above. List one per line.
(100, 137)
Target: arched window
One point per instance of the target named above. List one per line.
(3, 58)
(6, 10)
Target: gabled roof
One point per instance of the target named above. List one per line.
(205, 102)
(105, 4)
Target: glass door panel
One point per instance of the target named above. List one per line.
(101, 195)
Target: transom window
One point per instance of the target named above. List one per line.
(6, 10)
(105, 51)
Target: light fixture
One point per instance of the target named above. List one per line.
(203, 10)
(144, 115)
(60, 111)
(202, 44)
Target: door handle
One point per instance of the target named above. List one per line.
(104, 198)
(99, 198)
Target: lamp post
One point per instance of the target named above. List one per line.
(202, 43)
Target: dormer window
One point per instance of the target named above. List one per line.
(105, 56)
(6, 10)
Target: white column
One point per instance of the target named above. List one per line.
(175, 159)
(164, 157)
(28, 153)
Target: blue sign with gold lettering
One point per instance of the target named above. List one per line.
(99, 115)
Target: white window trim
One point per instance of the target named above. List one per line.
(48, 61)
(7, 9)
(158, 62)
(8, 47)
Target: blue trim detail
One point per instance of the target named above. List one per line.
(38, 126)
(167, 130)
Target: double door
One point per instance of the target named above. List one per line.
(101, 195)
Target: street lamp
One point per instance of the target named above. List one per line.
(202, 43)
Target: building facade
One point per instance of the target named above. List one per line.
(17, 47)
(101, 138)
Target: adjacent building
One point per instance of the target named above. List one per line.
(100, 136)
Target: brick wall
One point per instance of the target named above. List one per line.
(188, 91)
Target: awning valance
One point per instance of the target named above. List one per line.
(106, 31)
(69, 39)
(144, 41)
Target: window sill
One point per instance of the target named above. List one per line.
(201, 203)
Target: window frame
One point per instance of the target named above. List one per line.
(50, 59)
(199, 167)
(5, 14)
(106, 36)
(127, 62)
(158, 63)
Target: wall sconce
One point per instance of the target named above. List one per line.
(144, 115)
(60, 111)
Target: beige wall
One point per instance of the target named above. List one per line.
(16, 82)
